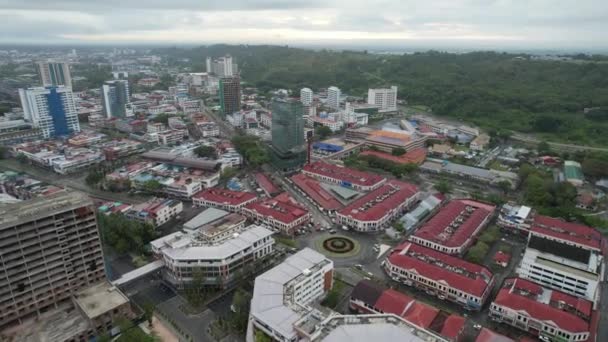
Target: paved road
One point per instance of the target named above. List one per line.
(557, 146)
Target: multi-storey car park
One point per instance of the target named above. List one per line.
(224, 199)
(453, 229)
(375, 210)
(550, 314)
(346, 177)
(186, 257)
(442, 275)
(281, 213)
(565, 256)
(49, 250)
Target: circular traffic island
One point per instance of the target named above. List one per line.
(338, 246)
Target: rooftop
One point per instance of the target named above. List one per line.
(346, 175)
(313, 189)
(487, 335)
(225, 196)
(60, 324)
(282, 208)
(572, 170)
(374, 205)
(99, 299)
(546, 305)
(266, 184)
(429, 263)
(578, 234)
(455, 224)
(38, 207)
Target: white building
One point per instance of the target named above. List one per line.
(54, 74)
(306, 96)
(116, 99)
(333, 97)
(170, 137)
(282, 295)
(50, 109)
(385, 98)
(185, 257)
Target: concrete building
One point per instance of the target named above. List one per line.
(224, 199)
(282, 295)
(333, 97)
(564, 256)
(306, 95)
(171, 137)
(219, 230)
(156, 211)
(343, 176)
(573, 173)
(51, 249)
(385, 98)
(116, 99)
(492, 177)
(442, 275)
(282, 213)
(455, 226)
(230, 95)
(480, 143)
(222, 67)
(218, 265)
(53, 74)
(50, 109)
(288, 149)
(549, 314)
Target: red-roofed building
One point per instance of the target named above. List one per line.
(282, 213)
(343, 176)
(453, 327)
(502, 259)
(550, 313)
(441, 275)
(224, 199)
(414, 156)
(453, 229)
(266, 185)
(567, 232)
(487, 335)
(314, 190)
(375, 210)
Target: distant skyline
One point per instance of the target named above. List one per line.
(467, 24)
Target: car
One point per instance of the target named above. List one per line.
(544, 338)
(333, 231)
(477, 326)
(359, 266)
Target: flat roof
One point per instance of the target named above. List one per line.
(99, 299)
(205, 217)
(59, 324)
(38, 207)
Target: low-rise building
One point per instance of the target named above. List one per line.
(343, 176)
(375, 210)
(186, 258)
(573, 173)
(266, 185)
(282, 213)
(224, 199)
(549, 314)
(221, 229)
(442, 275)
(516, 218)
(414, 156)
(492, 177)
(455, 226)
(118, 149)
(171, 137)
(311, 188)
(480, 143)
(156, 211)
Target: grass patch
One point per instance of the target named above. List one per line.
(286, 241)
(333, 297)
(496, 165)
(323, 237)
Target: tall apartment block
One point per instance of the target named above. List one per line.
(51, 109)
(222, 67)
(115, 98)
(230, 95)
(50, 250)
(54, 73)
(306, 96)
(333, 97)
(288, 143)
(385, 98)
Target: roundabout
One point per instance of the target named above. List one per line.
(338, 246)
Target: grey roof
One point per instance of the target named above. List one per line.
(267, 304)
(206, 216)
(372, 332)
(198, 163)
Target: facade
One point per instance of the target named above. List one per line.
(51, 109)
(343, 176)
(281, 213)
(53, 74)
(333, 97)
(306, 96)
(224, 199)
(156, 211)
(186, 258)
(221, 229)
(117, 149)
(116, 99)
(375, 210)
(288, 145)
(564, 256)
(442, 275)
(282, 295)
(549, 314)
(230, 95)
(455, 226)
(170, 137)
(385, 98)
(516, 218)
(50, 250)
(222, 67)
(480, 143)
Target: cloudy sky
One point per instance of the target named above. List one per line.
(529, 23)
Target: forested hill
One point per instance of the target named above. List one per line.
(493, 90)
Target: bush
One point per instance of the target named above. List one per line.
(477, 253)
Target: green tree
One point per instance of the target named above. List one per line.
(477, 253)
(543, 148)
(399, 151)
(228, 173)
(152, 186)
(323, 132)
(444, 187)
(3, 152)
(206, 152)
(261, 337)
(148, 312)
(21, 158)
(240, 306)
(505, 186)
(94, 177)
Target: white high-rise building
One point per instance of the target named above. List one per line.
(54, 73)
(306, 96)
(208, 65)
(51, 109)
(115, 96)
(385, 98)
(333, 97)
(222, 67)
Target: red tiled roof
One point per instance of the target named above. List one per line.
(394, 302)
(487, 335)
(225, 196)
(266, 184)
(523, 284)
(510, 298)
(501, 257)
(312, 188)
(343, 173)
(579, 304)
(282, 208)
(472, 278)
(435, 229)
(573, 232)
(421, 314)
(452, 327)
(403, 192)
(417, 156)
